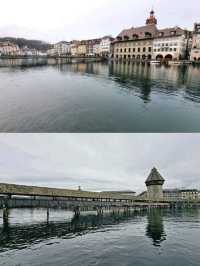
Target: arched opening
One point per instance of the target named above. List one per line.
(149, 57)
(143, 57)
(168, 57)
(195, 59)
(138, 56)
(199, 59)
(159, 57)
(133, 56)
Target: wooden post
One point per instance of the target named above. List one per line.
(5, 214)
(47, 214)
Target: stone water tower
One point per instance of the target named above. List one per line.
(154, 185)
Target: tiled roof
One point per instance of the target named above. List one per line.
(168, 31)
(140, 32)
(150, 31)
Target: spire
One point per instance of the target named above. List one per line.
(152, 19)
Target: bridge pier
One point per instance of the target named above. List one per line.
(99, 211)
(47, 214)
(77, 211)
(5, 214)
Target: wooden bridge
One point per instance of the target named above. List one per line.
(17, 196)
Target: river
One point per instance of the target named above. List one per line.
(154, 238)
(99, 97)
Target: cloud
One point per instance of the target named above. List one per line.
(57, 20)
(99, 161)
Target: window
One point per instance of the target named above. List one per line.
(174, 49)
(154, 50)
(129, 50)
(149, 49)
(134, 50)
(125, 50)
(138, 50)
(121, 50)
(144, 49)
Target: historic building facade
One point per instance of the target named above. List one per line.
(60, 49)
(170, 44)
(105, 46)
(9, 49)
(148, 42)
(195, 52)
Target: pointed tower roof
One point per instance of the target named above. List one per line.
(155, 178)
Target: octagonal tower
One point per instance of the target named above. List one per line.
(154, 185)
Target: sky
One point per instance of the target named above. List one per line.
(99, 162)
(52, 21)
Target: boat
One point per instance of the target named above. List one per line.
(155, 62)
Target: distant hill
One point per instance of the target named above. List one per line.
(32, 44)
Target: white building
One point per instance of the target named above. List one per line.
(9, 49)
(195, 52)
(60, 49)
(105, 46)
(170, 44)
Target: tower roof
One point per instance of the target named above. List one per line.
(155, 178)
(152, 19)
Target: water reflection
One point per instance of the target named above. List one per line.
(20, 236)
(145, 79)
(155, 228)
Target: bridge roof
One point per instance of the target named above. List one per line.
(12, 189)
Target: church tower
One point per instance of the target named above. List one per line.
(154, 185)
(152, 19)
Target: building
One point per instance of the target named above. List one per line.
(74, 48)
(148, 42)
(189, 194)
(170, 44)
(136, 43)
(154, 185)
(60, 49)
(105, 46)
(171, 194)
(82, 48)
(9, 49)
(93, 47)
(195, 52)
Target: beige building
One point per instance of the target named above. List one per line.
(136, 43)
(82, 48)
(74, 48)
(195, 52)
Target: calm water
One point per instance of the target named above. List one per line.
(97, 97)
(149, 239)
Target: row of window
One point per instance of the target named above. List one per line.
(165, 50)
(133, 56)
(144, 50)
(166, 44)
(132, 44)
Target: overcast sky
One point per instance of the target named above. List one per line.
(53, 21)
(98, 161)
